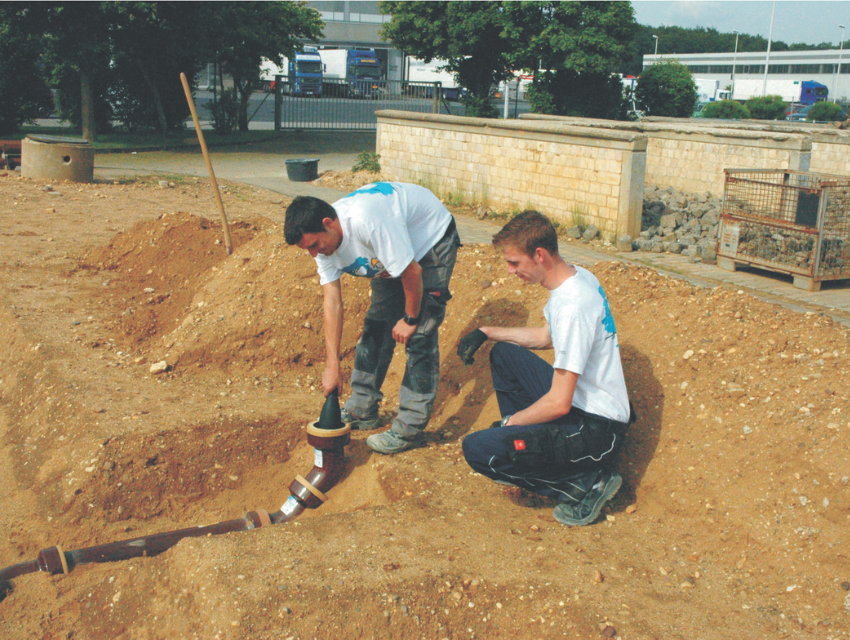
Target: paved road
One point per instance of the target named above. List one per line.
(263, 165)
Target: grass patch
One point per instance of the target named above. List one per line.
(428, 182)
(367, 161)
(578, 218)
(455, 198)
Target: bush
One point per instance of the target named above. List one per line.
(478, 107)
(224, 111)
(586, 95)
(766, 108)
(367, 161)
(825, 112)
(667, 89)
(726, 110)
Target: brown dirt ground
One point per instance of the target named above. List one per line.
(732, 521)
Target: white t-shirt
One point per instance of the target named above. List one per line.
(385, 226)
(585, 341)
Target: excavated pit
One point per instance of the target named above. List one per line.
(732, 520)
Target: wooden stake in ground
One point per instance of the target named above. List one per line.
(227, 242)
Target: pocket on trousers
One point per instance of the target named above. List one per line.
(582, 443)
(433, 309)
(531, 448)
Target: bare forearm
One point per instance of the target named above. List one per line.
(411, 281)
(528, 337)
(546, 409)
(333, 310)
(555, 403)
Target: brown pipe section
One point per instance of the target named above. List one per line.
(306, 493)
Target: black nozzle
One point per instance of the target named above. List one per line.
(330, 417)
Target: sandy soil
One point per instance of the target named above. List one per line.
(732, 521)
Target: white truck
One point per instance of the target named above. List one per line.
(420, 71)
(709, 90)
(792, 91)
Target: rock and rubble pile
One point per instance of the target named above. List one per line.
(677, 222)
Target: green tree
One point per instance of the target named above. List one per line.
(667, 88)
(825, 112)
(586, 95)
(22, 88)
(725, 110)
(151, 44)
(75, 37)
(242, 33)
(573, 48)
(767, 108)
(469, 36)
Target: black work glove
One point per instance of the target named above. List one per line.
(469, 344)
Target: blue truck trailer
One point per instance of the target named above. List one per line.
(355, 73)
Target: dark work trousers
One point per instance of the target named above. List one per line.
(375, 348)
(561, 459)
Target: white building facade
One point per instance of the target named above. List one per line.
(788, 66)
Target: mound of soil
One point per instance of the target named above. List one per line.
(732, 521)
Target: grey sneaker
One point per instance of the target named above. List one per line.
(389, 443)
(584, 512)
(357, 423)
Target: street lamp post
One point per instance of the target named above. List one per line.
(656, 44)
(838, 67)
(734, 63)
(769, 42)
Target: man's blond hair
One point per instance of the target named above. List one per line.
(527, 232)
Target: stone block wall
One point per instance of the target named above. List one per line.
(830, 145)
(831, 153)
(695, 162)
(691, 157)
(568, 173)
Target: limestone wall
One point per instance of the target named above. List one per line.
(573, 174)
(831, 153)
(691, 157)
(830, 145)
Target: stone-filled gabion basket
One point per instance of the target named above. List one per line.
(786, 221)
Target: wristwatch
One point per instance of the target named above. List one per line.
(411, 321)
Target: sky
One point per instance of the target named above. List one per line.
(796, 21)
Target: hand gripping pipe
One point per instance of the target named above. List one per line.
(328, 436)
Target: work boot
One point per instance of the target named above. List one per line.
(585, 511)
(357, 423)
(389, 443)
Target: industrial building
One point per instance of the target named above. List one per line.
(820, 66)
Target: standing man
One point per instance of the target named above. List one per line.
(404, 239)
(561, 425)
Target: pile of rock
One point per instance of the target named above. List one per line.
(677, 222)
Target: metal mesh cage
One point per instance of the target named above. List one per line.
(787, 221)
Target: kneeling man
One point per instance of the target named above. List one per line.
(561, 425)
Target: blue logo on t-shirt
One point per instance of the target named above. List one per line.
(364, 267)
(380, 188)
(608, 320)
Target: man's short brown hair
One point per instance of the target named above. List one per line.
(526, 232)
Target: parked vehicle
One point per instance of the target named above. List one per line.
(303, 73)
(420, 71)
(358, 71)
(707, 89)
(800, 114)
(797, 91)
